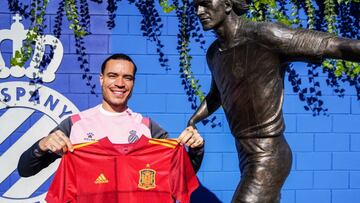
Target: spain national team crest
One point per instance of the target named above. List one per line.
(25, 119)
(147, 178)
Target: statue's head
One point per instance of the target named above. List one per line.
(212, 13)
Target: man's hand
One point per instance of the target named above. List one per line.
(191, 138)
(56, 142)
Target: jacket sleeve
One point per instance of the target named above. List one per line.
(33, 160)
(196, 154)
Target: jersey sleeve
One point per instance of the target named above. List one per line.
(63, 186)
(183, 180)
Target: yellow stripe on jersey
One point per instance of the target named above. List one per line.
(84, 144)
(170, 145)
(169, 141)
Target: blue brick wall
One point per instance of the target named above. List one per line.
(326, 149)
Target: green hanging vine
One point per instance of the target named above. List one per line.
(37, 14)
(310, 13)
(73, 17)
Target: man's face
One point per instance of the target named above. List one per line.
(211, 13)
(117, 83)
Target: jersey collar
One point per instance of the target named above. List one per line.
(123, 149)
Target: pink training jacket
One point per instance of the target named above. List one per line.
(96, 123)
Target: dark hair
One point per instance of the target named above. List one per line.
(118, 57)
(240, 7)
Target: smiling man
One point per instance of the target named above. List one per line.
(117, 81)
(247, 64)
(112, 118)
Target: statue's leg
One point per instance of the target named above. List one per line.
(264, 163)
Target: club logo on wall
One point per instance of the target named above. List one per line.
(25, 119)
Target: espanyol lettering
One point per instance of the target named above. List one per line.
(20, 94)
(64, 112)
(52, 103)
(50, 100)
(7, 96)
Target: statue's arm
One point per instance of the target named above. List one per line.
(208, 106)
(307, 45)
(342, 48)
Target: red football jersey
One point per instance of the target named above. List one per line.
(150, 170)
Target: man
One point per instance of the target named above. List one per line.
(112, 118)
(247, 66)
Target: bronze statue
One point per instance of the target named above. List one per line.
(247, 66)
